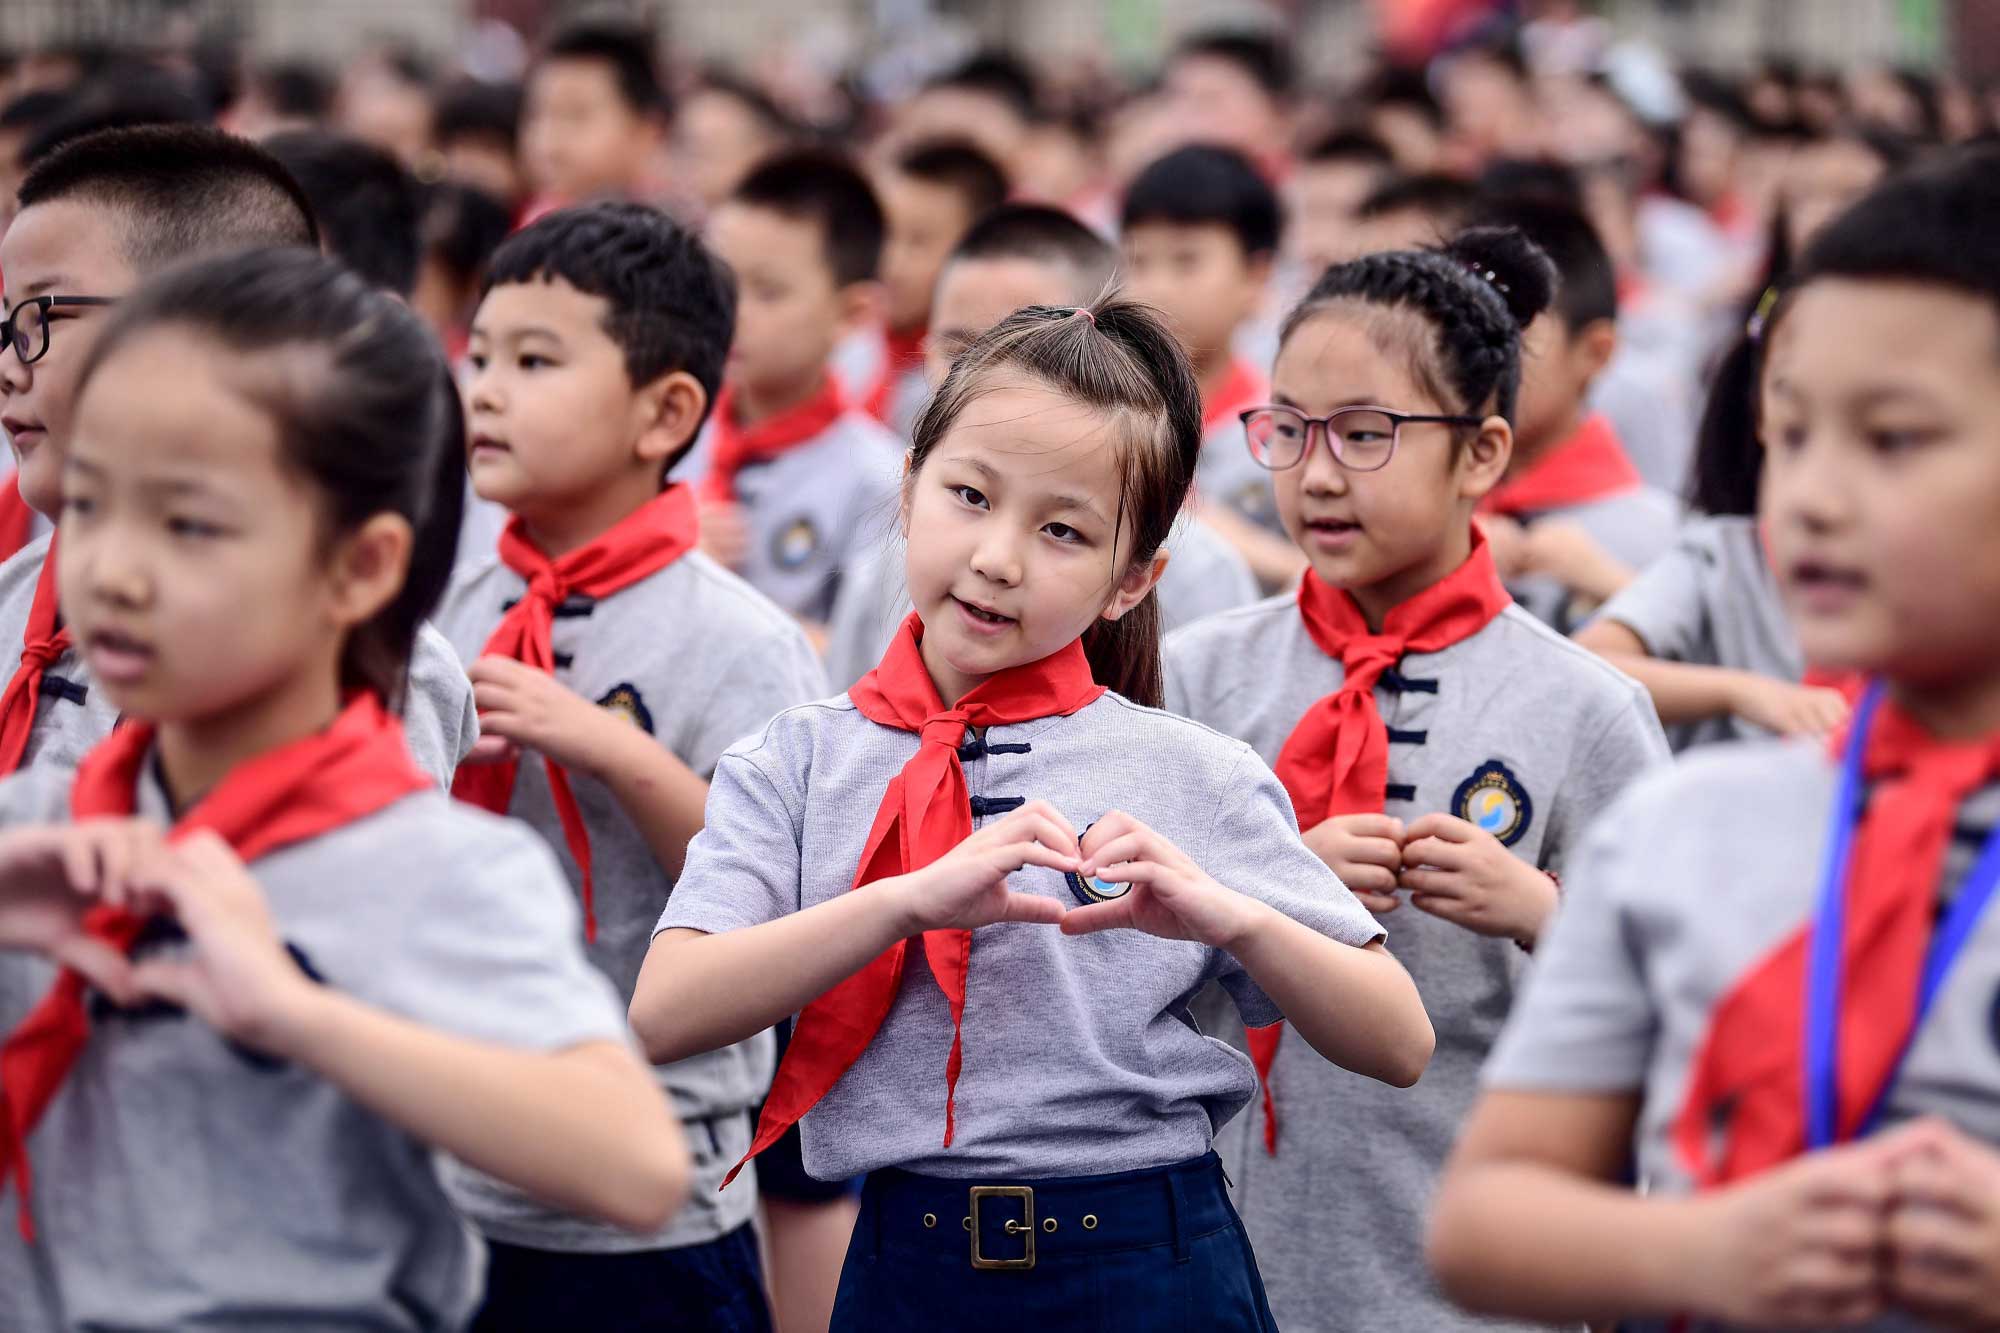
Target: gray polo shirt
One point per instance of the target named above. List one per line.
(1659, 925)
(1711, 600)
(181, 1184)
(815, 511)
(697, 659)
(1204, 575)
(1080, 1055)
(73, 716)
(1634, 527)
(1515, 729)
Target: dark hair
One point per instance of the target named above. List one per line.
(1891, 149)
(1405, 86)
(823, 188)
(1121, 361)
(1728, 460)
(1259, 55)
(774, 118)
(365, 406)
(31, 110)
(1532, 178)
(626, 49)
(1587, 290)
(144, 97)
(959, 167)
(1447, 198)
(470, 109)
(1350, 146)
(1205, 184)
(178, 191)
(671, 302)
(462, 227)
(297, 88)
(997, 75)
(1470, 358)
(1046, 235)
(365, 202)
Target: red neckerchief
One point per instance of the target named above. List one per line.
(45, 640)
(901, 354)
(1589, 465)
(733, 448)
(1242, 387)
(641, 544)
(360, 764)
(1336, 761)
(17, 518)
(924, 813)
(1744, 1110)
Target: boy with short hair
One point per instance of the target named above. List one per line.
(1022, 255)
(596, 351)
(794, 482)
(1573, 519)
(931, 195)
(594, 116)
(1199, 235)
(367, 206)
(1334, 177)
(1237, 87)
(1412, 212)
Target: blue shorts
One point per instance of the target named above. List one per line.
(1160, 1250)
(717, 1287)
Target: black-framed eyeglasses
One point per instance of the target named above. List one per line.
(1362, 439)
(26, 328)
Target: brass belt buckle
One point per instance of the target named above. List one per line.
(1025, 1228)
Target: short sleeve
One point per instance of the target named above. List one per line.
(765, 677)
(1629, 744)
(439, 719)
(1664, 605)
(1254, 847)
(493, 951)
(743, 868)
(1585, 1021)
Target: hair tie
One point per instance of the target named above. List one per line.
(1491, 278)
(1761, 316)
(1085, 312)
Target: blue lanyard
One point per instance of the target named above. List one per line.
(1823, 966)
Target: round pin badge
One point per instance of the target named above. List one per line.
(1088, 891)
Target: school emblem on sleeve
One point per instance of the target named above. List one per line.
(1088, 891)
(624, 700)
(1494, 801)
(795, 543)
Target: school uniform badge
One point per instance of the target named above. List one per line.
(795, 543)
(625, 701)
(1493, 801)
(1093, 890)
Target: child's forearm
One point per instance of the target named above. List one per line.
(1684, 691)
(701, 992)
(664, 798)
(1356, 1007)
(585, 1129)
(1531, 1241)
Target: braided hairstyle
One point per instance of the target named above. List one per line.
(1473, 296)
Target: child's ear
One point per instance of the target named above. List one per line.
(863, 305)
(368, 568)
(1592, 347)
(669, 413)
(1483, 461)
(1138, 581)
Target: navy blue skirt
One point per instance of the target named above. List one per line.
(1161, 1250)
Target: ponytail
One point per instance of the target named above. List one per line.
(1124, 653)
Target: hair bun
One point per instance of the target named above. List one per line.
(1517, 269)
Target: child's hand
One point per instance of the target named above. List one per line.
(1788, 709)
(725, 532)
(1366, 851)
(1461, 873)
(52, 875)
(238, 977)
(967, 886)
(532, 709)
(1799, 1246)
(1170, 897)
(1944, 1227)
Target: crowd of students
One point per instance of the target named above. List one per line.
(1439, 639)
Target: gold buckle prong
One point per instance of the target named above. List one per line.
(1024, 1228)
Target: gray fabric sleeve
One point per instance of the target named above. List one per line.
(1629, 743)
(1253, 846)
(743, 867)
(766, 676)
(1585, 1021)
(1664, 606)
(438, 717)
(494, 952)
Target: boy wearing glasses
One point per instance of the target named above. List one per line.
(1443, 749)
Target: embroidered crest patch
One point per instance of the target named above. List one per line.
(624, 700)
(1494, 801)
(795, 543)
